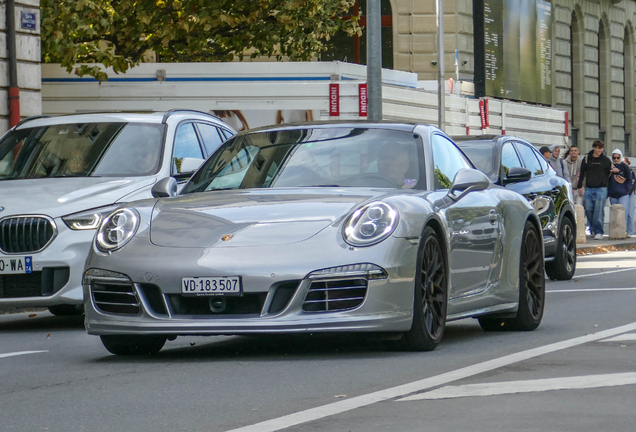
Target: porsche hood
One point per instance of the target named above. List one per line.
(251, 217)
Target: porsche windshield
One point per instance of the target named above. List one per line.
(327, 157)
(81, 150)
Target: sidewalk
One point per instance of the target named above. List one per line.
(606, 245)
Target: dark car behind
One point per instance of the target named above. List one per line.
(517, 165)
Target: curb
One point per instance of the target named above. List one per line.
(604, 246)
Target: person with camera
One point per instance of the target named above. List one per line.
(620, 184)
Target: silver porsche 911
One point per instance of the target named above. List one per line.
(355, 227)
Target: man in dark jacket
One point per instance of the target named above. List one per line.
(595, 171)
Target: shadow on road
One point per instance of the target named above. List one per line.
(327, 346)
(40, 323)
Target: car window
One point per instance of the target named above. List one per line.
(509, 158)
(447, 160)
(530, 158)
(210, 136)
(481, 154)
(326, 157)
(82, 150)
(186, 144)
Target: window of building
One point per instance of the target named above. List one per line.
(353, 49)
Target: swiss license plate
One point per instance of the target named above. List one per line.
(211, 286)
(16, 264)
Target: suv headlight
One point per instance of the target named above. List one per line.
(88, 220)
(117, 229)
(370, 224)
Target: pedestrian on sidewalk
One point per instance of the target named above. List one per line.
(620, 184)
(558, 164)
(595, 171)
(573, 162)
(631, 212)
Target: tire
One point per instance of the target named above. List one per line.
(133, 344)
(431, 296)
(564, 264)
(531, 288)
(66, 310)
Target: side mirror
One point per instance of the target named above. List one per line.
(517, 175)
(165, 188)
(190, 165)
(468, 180)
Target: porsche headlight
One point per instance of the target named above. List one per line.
(370, 224)
(117, 229)
(88, 220)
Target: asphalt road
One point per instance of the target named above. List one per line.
(577, 372)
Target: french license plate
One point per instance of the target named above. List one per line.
(16, 265)
(211, 286)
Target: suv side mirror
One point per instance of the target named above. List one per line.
(165, 188)
(517, 175)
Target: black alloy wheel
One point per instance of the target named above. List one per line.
(564, 264)
(431, 296)
(531, 288)
(133, 344)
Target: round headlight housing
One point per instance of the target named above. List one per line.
(371, 224)
(117, 230)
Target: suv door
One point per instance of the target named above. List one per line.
(538, 190)
(474, 221)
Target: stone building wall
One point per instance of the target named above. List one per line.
(28, 56)
(593, 58)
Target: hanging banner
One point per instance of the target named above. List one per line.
(362, 99)
(334, 100)
(483, 113)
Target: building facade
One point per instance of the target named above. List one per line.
(591, 58)
(29, 74)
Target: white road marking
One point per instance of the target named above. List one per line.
(604, 273)
(589, 290)
(622, 338)
(17, 353)
(539, 385)
(331, 409)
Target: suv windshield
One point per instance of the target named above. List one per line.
(481, 154)
(349, 157)
(82, 150)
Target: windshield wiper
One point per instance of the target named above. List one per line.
(325, 185)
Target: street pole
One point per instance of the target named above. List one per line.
(441, 87)
(374, 61)
(14, 91)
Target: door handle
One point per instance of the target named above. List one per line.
(493, 216)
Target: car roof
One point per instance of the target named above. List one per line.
(115, 117)
(408, 127)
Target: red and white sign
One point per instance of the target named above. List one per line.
(362, 99)
(334, 100)
(483, 113)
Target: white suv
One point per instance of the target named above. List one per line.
(59, 176)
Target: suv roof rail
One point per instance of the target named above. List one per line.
(35, 117)
(173, 111)
(474, 137)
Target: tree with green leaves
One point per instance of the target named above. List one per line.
(84, 34)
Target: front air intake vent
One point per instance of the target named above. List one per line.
(26, 234)
(115, 297)
(335, 295)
